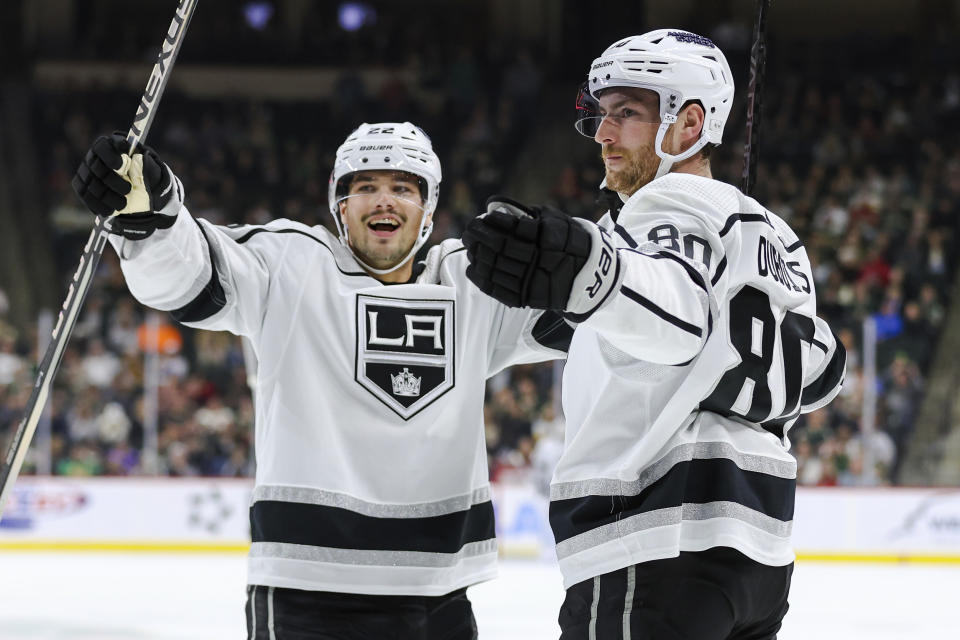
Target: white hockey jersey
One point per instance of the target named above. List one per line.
(371, 460)
(679, 392)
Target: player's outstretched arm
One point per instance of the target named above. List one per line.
(648, 301)
(539, 257)
(171, 261)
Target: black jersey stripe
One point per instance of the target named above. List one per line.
(829, 379)
(552, 331)
(623, 233)
(796, 245)
(245, 237)
(698, 481)
(326, 526)
(719, 272)
(693, 273)
(743, 217)
(658, 311)
(211, 298)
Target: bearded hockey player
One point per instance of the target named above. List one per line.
(697, 349)
(371, 511)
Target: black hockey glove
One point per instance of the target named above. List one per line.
(540, 257)
(141, 189)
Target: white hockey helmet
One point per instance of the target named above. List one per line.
(680, 67)
(387, 146)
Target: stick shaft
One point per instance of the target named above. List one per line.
(758, 60)
(79, 287)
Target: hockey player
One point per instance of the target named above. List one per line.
(698, 347)
(371, 510)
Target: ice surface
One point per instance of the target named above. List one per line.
(53, 596)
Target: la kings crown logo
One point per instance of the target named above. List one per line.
(405, 350)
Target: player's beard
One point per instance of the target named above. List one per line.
(380, 257)
(640, 168)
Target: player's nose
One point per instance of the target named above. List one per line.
(606, 132)
(385, 199)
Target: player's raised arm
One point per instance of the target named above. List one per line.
(171, 261)
(645, 298)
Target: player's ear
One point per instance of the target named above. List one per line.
(693, 120)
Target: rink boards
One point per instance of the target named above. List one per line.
(201, 515)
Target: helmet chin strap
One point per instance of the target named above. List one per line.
(422, 234)
(667, 160)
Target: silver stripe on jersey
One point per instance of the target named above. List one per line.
(722, 509)
(668, 516)
(369, 557)
(616, 530)
(681, 453)
(306, 495)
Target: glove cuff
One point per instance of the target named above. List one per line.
(599, 277)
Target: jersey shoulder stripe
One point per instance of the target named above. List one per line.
(743, 217)
(304, 232)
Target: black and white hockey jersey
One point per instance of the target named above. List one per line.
(679, 392)
(371, 460)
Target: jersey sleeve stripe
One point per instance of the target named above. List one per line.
(829, 381)
(211, 298)
(693, 273)
(552, 331)
(661, 313)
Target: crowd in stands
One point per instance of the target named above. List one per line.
(860, 170)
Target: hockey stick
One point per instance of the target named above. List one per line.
(758, 63)
(17, 449)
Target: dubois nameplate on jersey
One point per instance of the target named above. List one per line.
(405, 350)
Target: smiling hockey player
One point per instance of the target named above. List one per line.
(371, 511)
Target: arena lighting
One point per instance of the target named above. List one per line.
(354, 15)
(258, 14)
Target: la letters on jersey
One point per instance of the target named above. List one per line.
(770, 264)
(405, 350)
